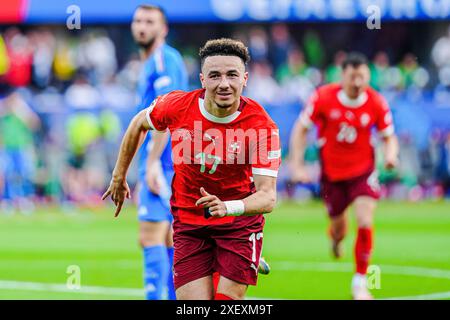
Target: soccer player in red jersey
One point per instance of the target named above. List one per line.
(345, 114)
(226, 155)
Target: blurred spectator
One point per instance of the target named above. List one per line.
(52, 145)
(128, 76)
(294, 66)
(261, 85)
(43, 44)
(64, 65)
(97, 56)
(17, 126)
(281, 43)
(379, 71)
(334, 70)
(258, 44)
(20, 58)
(440, 53)
(314, 50)
(408, 66)
(4, 58)
(81, 94)
(296, 78)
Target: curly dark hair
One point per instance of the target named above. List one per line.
(224, 47)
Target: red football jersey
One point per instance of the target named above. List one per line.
(219, 154)
(344, 129)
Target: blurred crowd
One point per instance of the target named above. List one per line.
(65, 101)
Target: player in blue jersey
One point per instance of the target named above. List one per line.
(163, 71)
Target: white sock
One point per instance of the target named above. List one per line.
(359, 280)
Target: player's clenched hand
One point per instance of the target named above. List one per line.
(216, 207)
(299, 174)
(119, 190)
(151, 178)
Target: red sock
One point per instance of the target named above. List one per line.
(363, 249)
(215, 277)
(221, 296)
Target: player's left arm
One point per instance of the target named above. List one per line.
(260, 202)
(390, 151)
(385, 126)
(265, 197)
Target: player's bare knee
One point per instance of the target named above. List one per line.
(364, 208)
(199, 289)
(232, 289)
(364, 218)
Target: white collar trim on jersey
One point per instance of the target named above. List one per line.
(213, 118)
(352, 103)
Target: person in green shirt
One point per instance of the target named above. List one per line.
(18, 122)
(295, 66)
(334, 70)
(408, 67)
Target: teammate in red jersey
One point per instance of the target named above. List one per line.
(345, 115)
(226, 155)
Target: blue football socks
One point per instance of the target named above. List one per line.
(156, 272)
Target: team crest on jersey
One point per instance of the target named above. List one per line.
(235, 147)
(349, 115)
(365, 119)
(335, 114)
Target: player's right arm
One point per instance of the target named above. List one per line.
(298, 142)
(261, 202)
(118, 188)
(155, 117)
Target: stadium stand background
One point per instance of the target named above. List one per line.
(79, 85)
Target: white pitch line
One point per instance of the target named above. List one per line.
(431, 296)
(285, 265)
(348, 267)
(139, 293)
(55, 287)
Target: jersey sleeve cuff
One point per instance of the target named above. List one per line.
(149, 120)
(305, 121)
(386, 132)
(265, 172)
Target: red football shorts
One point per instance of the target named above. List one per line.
(338, 195)
(231, 249)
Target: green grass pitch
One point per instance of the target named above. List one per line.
(412, 251)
